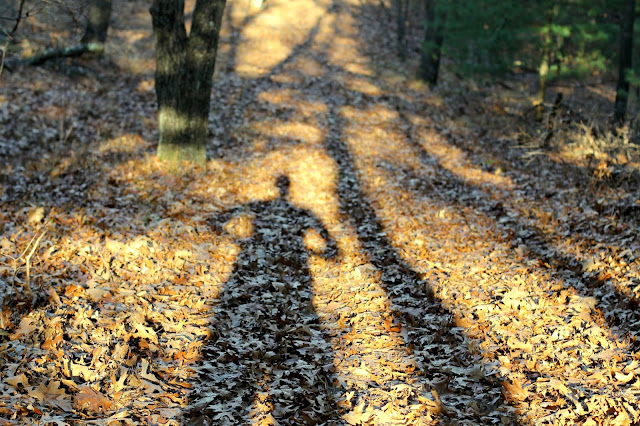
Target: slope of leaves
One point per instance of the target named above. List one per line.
(420, 269)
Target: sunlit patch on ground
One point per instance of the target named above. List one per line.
(272, 35)
(123, 144)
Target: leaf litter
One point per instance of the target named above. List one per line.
(415, 271)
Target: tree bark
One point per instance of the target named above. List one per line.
(626, 48)
(10, 34)
(543, 69)
(95, 31)
(543, 72)
(184, 72)
(432, 48)
(402, 8)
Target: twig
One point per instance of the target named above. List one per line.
(25, 250)
(10, 35)
(18, 18)
(28, 258)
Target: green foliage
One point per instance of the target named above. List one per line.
(633, 77)
(481, 36)
(580, 37)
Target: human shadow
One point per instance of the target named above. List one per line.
(266, 336)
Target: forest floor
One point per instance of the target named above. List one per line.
(430, 263)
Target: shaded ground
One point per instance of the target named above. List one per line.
(422, 268)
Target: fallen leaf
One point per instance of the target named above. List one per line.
(91, 401)
(20, 379)
(26, 327)
(53, 395)
(624, 378)
(514, 390)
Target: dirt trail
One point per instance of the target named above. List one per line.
(344, 258)
(384, 366)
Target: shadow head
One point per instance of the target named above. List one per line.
(283, 183)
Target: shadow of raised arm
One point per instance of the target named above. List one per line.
(218, 221)
(330, 249)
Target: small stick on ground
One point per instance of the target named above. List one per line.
(34, 246)
(28, 258)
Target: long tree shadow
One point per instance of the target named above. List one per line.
(266, 335)
(407, 290)
(617, 307)
(612, 310)
(227, 94)
(405, 287)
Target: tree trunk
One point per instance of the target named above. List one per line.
(9, 35)
(543, 74)
(543, 69)
(626, 46)
(95, 31)
(402, 7)
(432, 48)
(184, 72)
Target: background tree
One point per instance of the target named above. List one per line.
(546, 38)
(402, 11)
(184, 71)
(431, 51)
(626, 48)
(98, 15)
(553, 39)
(483, 37)
(7, 34)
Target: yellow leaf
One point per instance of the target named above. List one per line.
(17, 380)
(514, 390)
(52, 395)
(146, 333)
(362, 372)
(559, 386)
(514, 343)
(26, 327)
(79, 370)
(622, 419)
(269, 420)
(359, 415)
(145, 374)
(355, 418)
(624, 378)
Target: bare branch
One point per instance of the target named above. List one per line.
(10, 35)
(18, 18)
